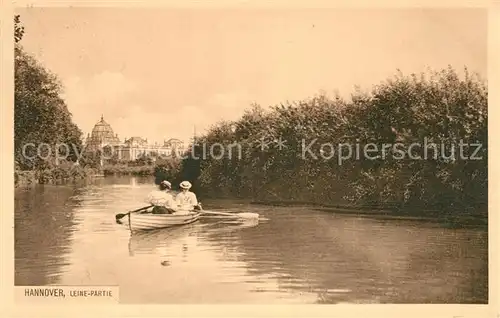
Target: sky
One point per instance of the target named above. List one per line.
(158, 73)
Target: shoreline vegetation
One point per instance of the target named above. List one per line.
(121, 170)
(440, 106)
(65, 174)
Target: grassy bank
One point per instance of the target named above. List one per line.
(58, 175)
(69, 173)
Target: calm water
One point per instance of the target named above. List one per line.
(68, 236)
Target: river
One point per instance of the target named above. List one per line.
(67, 235)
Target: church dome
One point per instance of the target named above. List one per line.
(102, 127)
(103, 133)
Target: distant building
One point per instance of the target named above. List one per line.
(103, 138)
(102, 135)
(174, 144)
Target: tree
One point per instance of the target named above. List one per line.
(18, 29)
(40, 114)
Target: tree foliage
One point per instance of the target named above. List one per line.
(439, 107)
(18, 29)
(40, 114)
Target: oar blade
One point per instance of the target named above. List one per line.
(243, 215)
(120, 215)
(248, 215)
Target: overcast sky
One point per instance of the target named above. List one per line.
(157, 73)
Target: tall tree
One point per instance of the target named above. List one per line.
(40, 114)
(18, 28)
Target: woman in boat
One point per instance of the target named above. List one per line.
(187, 199)
(162, 200)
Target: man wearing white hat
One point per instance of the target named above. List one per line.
(162, 200)
(186, 199)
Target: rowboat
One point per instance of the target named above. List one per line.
(149, 221)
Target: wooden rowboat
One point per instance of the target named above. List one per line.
(149, 221)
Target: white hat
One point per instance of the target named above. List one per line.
(185, 184)
(168, 184)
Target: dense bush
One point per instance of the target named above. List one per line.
(440, 107)
(168, 169)
(128, 170)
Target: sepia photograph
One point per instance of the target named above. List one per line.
(273, 156)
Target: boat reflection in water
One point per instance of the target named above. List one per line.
(151, 242)
(176, 244)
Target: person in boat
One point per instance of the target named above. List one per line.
(162, 200)
(187, 199)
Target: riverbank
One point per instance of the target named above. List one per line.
(126, 170)
(63, 175)
(303, 142)
(55, 176)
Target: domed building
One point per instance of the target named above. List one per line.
(103, 138)
(102, 135)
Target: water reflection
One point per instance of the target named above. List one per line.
(68, 235)
(44, 222)
(363, 260)
(174, 243)
(158, 241)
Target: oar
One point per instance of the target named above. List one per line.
(121, 215)
(244, 215)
